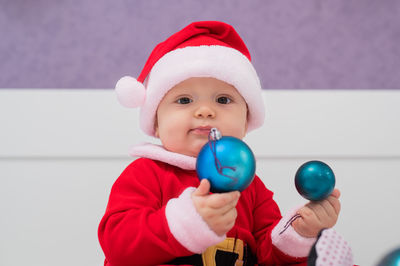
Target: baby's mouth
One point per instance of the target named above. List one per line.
(205, 130)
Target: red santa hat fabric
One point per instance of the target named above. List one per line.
(202, 49)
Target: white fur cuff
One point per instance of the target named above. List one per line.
(289, 241)
(187, 226)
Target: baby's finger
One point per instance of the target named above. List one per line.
(335, 203)
(229, 217)
(335, 193)
(306, 224)
(224, 223)
(329, 209)
(231, 214)
(219, 200)
(307, 214)
(203, 189)
(319, 210)
(227, 208)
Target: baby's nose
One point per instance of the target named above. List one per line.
(204, 111)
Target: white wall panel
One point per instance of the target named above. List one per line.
(61, 150)
(92, 123)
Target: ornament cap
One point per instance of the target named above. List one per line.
(215, 134)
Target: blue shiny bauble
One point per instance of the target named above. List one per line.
(391, 259)
(228, 163)
(315, 180)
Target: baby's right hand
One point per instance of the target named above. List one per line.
(218, 210)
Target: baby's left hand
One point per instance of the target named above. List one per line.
(318, 215)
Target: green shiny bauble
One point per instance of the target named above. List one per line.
(315, 180)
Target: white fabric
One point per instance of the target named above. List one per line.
(332, 249)
(187, 226)
(158, 153)
(130, 92)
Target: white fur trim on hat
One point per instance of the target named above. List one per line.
(130, 92)
(220, 62)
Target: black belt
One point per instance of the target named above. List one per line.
(221, 258)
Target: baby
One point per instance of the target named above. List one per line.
(158, 211)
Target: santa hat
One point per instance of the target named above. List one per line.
(202, 49)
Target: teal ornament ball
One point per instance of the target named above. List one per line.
(315, 180)
(227, 162)
(391, 259)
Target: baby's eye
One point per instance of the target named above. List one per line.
(223, 100)
(184, 100)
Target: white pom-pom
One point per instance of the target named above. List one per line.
(130, 92)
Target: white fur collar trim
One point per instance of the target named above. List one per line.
(157, 152)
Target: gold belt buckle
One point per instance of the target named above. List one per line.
(229, 245)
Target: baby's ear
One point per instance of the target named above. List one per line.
(156, 134)
(247, 119)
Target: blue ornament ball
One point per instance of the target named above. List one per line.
(228, 163)
(315, 180)
(391, 259)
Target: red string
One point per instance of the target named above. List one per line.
(288, 223)
(218, 165)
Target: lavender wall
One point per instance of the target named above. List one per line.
(308, 44)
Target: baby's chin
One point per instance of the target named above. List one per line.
(191, 148)
(193, 151)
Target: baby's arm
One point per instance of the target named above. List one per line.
(318, 215)
(218, 210)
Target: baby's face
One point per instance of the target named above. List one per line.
(190, 109)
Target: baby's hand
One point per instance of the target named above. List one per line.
(218, 210)
(318, 215)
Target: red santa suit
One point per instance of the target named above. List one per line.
(150, 218)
